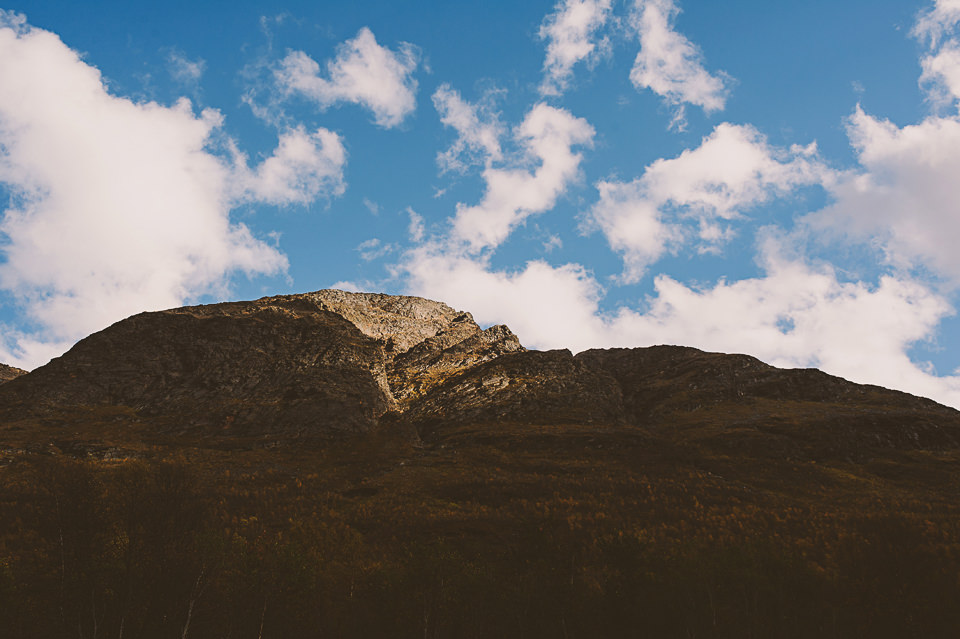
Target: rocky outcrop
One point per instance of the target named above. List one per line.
(10, 372)
(534, 387)
(416, 372)
(400, 322)
(424, 342)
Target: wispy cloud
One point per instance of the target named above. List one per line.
(572, 35)
(904, 195)
(669, 64)
(937, 27)
(374, 249)
(184, 71)
(416, 228)
(478, 130)
(939, 19)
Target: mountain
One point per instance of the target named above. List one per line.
(318, 364)
(366, 465)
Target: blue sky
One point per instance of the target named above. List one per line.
(778, 179)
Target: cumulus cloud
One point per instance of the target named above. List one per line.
(733, 170)
(904, 196)
(941, 64)
(795, 315)
(363, 73)
(571, 35)
(304, 167)
(939, 19)
(669, 64)
(941, 74)
(117, 207)
(547, 135)
(547, 306)
(478, 131)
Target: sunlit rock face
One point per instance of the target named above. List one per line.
(10, 372)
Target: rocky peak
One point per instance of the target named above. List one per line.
(294, 364)
(399, 321)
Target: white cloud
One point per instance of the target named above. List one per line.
(733, 170)
(185, 71)
(547, 306)
(552, 243)
(941, 64)
(547, 135)
(416, 226)
(374, 249)
(853, 330)
(304, 167)
(933, 23)
(118, 207)
(571, 32)
(941, 74)
(478, 131)
(669, 64)
(363, 73)
(793, 316)
(905, 195)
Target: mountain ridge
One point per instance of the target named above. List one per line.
(329, 363)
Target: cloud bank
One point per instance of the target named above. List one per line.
(118, 207)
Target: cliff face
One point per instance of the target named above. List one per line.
(330, 362)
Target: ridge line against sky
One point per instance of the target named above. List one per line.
(612, 174)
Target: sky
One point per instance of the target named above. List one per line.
(771, 178)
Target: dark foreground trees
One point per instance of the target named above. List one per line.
(174, 549)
